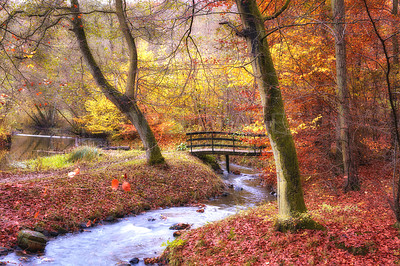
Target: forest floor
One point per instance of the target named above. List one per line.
(359, 225)
(359, 230)
(53, 202)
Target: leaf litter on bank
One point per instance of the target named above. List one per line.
(359, 231)
(60, 203)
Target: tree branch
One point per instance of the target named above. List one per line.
(396, 199)
(277, 13)
(234, 28)
(133, 57)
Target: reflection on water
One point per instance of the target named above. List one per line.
(24, 146)
(142, 236)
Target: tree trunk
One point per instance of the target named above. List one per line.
(395, 38)
(395, 47)
(126, 103)
(394, 99)
(351, 181)
(290, 194)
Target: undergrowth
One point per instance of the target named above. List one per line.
(85, 153)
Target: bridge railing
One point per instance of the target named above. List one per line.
(225, 143)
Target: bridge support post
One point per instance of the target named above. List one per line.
(227, 162)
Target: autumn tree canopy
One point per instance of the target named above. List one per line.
(193, 71)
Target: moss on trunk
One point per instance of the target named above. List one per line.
(290, 194)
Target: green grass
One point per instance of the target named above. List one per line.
(89, 156)
(53, 162)
(84, 153)
(60, 161)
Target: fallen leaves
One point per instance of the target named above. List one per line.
(126, 186)
(359, 232)
(74, 173)
(114, 184)
(67, 203)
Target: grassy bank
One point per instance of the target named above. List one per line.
(359, 231)
(57, 203)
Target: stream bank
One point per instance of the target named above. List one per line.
(141, 236)
(58, 204)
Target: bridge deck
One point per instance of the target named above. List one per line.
(226, 152)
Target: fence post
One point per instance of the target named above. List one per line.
(227, 162)
(212, 141)
(233, 142)
(191, 143)
(255, 146)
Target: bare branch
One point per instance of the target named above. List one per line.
(277, 13)
(233, 27)
(133, 57)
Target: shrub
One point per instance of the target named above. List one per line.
(86, 153)
(181, 147)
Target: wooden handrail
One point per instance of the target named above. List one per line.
(225, 133)
(233, 147)
(223, 142)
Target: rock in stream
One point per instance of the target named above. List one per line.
(31, 240)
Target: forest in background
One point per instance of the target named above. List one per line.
(194, 73)
(192, 66)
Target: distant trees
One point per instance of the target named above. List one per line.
(346, 142)
(390, 70)
(36, 77)
(20, 44)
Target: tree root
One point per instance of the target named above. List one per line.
(301, 222)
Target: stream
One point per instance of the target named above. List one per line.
(142, 236)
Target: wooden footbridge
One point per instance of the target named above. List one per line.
(225, 143)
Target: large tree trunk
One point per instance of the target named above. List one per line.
(290, 194)
(346, 144)
(126, 103)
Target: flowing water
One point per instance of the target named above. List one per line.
(142, 236)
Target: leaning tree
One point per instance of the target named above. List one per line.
(125, 102)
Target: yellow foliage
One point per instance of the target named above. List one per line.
(257, 127)
(309, 125)
(102, 116)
